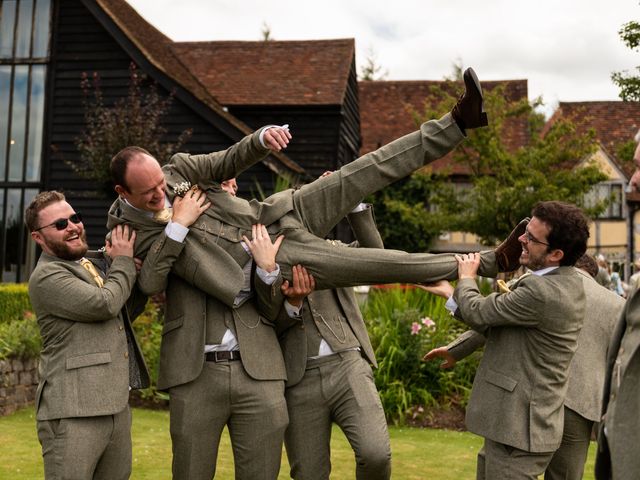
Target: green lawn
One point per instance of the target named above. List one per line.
(418, 454)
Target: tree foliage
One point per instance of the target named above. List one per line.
(132, 120)
(371, 70)
(503, 183)
(629, 83)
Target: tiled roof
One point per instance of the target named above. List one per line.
(385, 107)
(314, 72)
(157, 49)
(615, 123)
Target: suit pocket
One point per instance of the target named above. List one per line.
(88, 360)
(172, 324)
(501, 380)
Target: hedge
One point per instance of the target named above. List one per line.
(14, 301)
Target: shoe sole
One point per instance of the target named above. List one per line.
(484, 120)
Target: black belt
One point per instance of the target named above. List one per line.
(222, 356)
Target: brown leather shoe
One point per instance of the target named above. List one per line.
(469, 112)
(508, 252)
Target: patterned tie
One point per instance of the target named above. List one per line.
(93, 271)
(164, 215)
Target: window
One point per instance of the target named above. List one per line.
(24, 53)
(613, 192)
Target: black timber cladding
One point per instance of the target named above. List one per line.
(82, 44)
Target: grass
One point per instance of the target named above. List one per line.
(417, 453)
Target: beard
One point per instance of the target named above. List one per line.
(61, 250)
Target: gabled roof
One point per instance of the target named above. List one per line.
(385, 107)
(615, 123)
(154, 47)
(314, 72)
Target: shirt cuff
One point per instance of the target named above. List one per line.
(261, 138)
(451, 305)
(360, 208)
(292, 310)
(268, 277)
(176, 232)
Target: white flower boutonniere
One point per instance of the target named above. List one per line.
(181, 188)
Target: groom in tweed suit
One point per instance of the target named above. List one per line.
(90, 358)
(531, 332)
(305, 216)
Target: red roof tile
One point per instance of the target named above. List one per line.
(313, 72)
(385, 107)
(615, 123)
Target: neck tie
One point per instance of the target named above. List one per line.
(164, 215)
(93, 271)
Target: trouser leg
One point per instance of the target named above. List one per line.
(323, 203)
(358, 411)
(73, 448)
(115, 462)
(568, 461)
(336, 266)
(308, 436)
(257, 424)
(198, 412)
(504, 461)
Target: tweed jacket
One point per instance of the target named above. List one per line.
(214, 241)
(588, 367)
(84, 363)
(187, 310)
(623, 429)
(531, 336)
(293, 340)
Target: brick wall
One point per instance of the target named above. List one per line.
(18, 383)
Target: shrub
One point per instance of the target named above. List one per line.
(404, 324)
(148, 330)
(14, 301)
(20, 338)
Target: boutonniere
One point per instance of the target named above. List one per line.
(180, 189)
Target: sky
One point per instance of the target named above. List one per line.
(566, 49)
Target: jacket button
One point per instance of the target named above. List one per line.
(126, 354)
(120, 327)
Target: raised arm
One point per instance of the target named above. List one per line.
(229, 163)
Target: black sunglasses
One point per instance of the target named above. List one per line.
(63, 223)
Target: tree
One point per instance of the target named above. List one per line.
(371, 70)
(628, 83)
(503, 184)
(132, 120)
(265, 33)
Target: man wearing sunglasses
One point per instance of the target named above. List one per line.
(530, 335)
(90, 359)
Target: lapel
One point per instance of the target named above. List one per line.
(74, 267)
(121, 212)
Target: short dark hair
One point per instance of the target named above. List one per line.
(569, 228)
(587, 263)
(39, 202)
(118, 165)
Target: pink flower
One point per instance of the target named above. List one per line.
(428, 323)
(415, 328)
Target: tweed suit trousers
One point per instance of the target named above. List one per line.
(321, 204)
(337, 388)
(87, 448)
